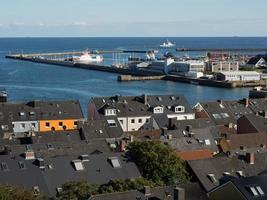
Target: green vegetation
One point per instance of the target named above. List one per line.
(82, 190)
(158, 163)
(11, 193)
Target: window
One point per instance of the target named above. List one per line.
(121, 121)
(158, 109)
(212, 178)
(60, 124)
(22, 125)
(115, 162)
(33, 125)
(75, 123)
(147, 120)
(132, 121)
(207, 142)
(140, 120)
(179, 109)
(110, 112)
(78, 165)
(112, 123)
(47, 124)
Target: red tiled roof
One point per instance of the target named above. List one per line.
(195, 155)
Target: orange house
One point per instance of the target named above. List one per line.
(58, 125)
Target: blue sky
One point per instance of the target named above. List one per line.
(29, 18)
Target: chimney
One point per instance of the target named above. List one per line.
(145, 101)
(122, 146)
(172, 123)
(188, 128)
(29, 155)
(164, 131)
(230, 125)
(265, 113)
(220, 101)
(179, 193)
(147, 191)
(131, 138)
(250, 158)
(246, 102)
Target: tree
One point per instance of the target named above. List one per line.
(77, 190)
(158, 162)
(8, 192)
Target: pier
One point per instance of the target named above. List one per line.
(127, 73)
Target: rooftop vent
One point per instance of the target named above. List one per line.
(212, 178)
(172, 98)
(84, 158)
(159, 98)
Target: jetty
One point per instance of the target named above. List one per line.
(128, 73)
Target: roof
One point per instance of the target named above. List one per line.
(195, 155)
(254, 60)
(128, 106)
(103, 128)
(193, 191)
(239, 73)
(250, 140)
(97, 169)
(221, 164)
(258, 122)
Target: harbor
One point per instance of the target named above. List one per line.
(148, 67)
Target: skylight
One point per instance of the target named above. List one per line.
(78, 165)
(115, 162)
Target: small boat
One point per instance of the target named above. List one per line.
(88, 57)
(167, 44)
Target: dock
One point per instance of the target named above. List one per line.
(132, 74)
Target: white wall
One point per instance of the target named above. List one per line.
(25, 126)
(182, 116)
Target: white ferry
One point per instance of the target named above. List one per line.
(167, 44)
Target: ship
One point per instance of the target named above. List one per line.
(88, 57)
(167, 44)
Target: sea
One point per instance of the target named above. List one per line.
(26, 81)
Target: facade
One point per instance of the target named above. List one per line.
(221, 66)
(188, 66)
(239, 76)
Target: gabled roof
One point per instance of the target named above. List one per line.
(136, 106)
(97, 169)
(221, 164)
(254, 60)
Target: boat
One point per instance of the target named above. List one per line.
(258, 92)
(88, 57)
(167, 44)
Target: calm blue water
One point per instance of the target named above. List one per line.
(27, 81)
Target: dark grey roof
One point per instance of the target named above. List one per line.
(219, 165)
(97, 170)
(254, 60)
(102, 129)
(218, 113)
(243, 184)
(128, 106)
(193, 191)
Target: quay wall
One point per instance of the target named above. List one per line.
(138, 78)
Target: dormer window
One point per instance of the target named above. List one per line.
(110, 112)
(179, 109)
(21, 113)
(158, 110)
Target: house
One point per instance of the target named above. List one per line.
(25, 119)
(136, 112)
(216, 171)
(239, 76)
(48, 174)
(257, 61)
(247, 188)
(188, 66)
(222, 66)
